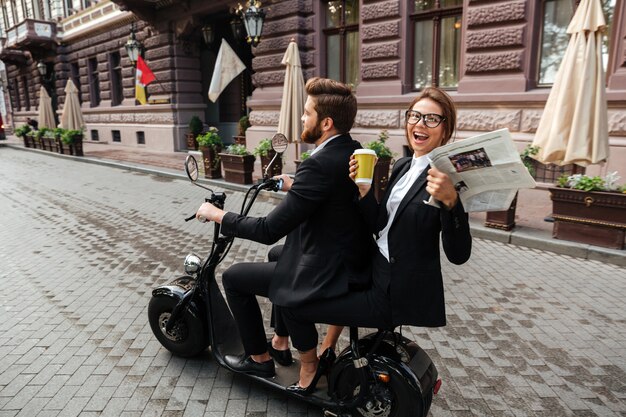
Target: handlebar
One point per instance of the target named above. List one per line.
(218, 199)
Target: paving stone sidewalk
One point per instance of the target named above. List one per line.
(530, 333)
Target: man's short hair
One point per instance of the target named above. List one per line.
(335, 100)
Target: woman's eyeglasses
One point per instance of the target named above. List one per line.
(431, 120)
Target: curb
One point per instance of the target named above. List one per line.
(519, 236)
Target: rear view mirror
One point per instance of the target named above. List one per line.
(279, 143)
(191, 168)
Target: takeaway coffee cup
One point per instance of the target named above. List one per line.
(366, 159)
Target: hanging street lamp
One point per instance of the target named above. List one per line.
(253, 19)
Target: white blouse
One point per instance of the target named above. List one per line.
(398, 192)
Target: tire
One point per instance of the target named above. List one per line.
(188, 337)
(397, 398)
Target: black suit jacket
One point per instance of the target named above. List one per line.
(416, 286)
(328, 241)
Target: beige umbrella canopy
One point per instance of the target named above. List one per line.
(71, 117)
(574, 125)
(46, 114)
(292, 105)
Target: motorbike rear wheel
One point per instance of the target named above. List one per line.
(187, 338)
(393, 399)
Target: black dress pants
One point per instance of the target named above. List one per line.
(367, 308)
(242, 283)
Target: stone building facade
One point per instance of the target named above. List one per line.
(496, 83)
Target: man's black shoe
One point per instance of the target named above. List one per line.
(246, 365)
(282, 357)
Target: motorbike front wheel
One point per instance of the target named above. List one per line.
(187, 338)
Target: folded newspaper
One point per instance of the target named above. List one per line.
(486, 170)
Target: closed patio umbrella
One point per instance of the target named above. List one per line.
(574, 125)
(71, 117)
(46, 114)
(292, 105)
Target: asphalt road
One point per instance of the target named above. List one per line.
(529, 333)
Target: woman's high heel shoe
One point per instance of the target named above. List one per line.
(325, 362)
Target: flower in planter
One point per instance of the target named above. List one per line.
(22, 130)
(210, 139)
(244, 124)
(70, 135)
(526, 155)
(379, 146)
(195, 125)
(235, 149)
(264, 147)
(596, 183)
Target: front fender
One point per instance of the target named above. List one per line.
(176, 289)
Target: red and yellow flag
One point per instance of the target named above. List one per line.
(143, 77)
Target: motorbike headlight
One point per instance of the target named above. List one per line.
(192, 263)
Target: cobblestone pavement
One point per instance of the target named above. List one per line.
(81, 245)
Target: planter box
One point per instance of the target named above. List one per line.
(277, 168)
(237, 168)
(76, 147)
(211, 162)
(595, 217)
(192, 145)
(503, 220)
(49, 144)
(381, 176)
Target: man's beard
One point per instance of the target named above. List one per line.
(312, 135)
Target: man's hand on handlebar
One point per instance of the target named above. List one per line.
(208, 212)
(287, 181)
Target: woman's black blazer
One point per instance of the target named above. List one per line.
(416, 287)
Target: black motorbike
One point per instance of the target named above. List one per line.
(381, 374)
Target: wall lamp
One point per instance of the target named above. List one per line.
(253, 18)
(133, 46)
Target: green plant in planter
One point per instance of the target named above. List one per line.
(58, 131)
(264, 147)
(588, 183)
(22, 130)
(244, 124)
(235, 149)
(195, 125)
(69, 136)
(304, 155)
(526, 155)
(210, 139)
(379, 146)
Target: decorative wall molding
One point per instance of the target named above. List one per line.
(380, 50)
(380, 31)
(378, 118)
(494, 38)
(264, 118)
(383, 70)
(497, 13)
(506, 61)
(381, 10)
(488, 120)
